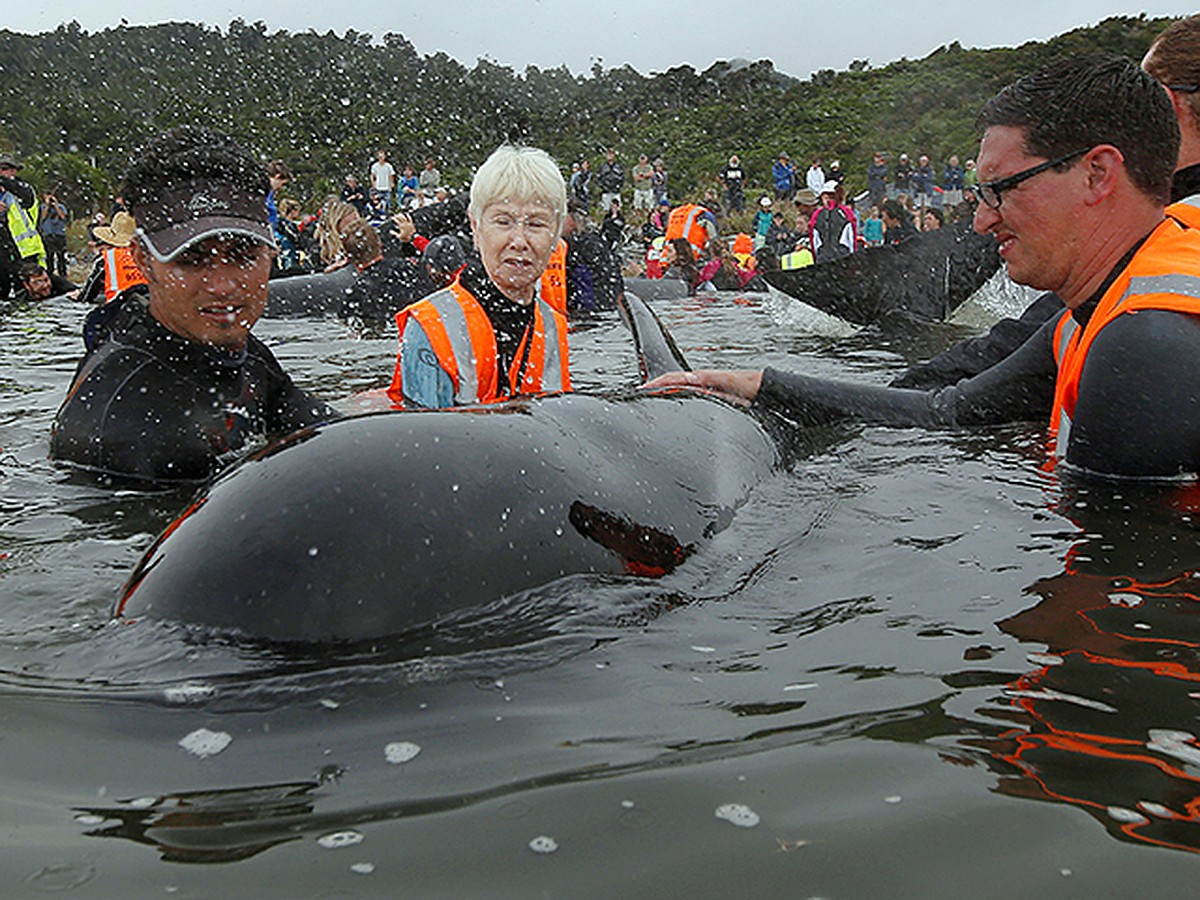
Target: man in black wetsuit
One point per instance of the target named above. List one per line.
(1174, 60)
(173, 385)
(1075, 167)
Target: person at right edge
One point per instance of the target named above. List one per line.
(1075, 170)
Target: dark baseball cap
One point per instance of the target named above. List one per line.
(199, 209)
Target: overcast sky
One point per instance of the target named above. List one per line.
(650, 35)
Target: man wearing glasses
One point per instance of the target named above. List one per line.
(1075, 171)
(1174, 60)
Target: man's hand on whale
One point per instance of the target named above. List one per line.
(738, 386)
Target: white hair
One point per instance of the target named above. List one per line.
(520, 175)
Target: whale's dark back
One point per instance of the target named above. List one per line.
(925, 277)
(370, 526)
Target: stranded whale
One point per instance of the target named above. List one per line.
(373, 525)
(926, 277)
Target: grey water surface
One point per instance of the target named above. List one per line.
(915, 665)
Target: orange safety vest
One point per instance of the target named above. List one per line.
(120, 271)
(462, 338)
(684, 222)
(554, 279)
(1186, 211)
(1163, 274)
(743, 244)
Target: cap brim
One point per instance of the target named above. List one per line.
(168, 243)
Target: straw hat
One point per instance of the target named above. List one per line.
(120, 233)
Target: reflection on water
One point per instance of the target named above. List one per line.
(1107, 719)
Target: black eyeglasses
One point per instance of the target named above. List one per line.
(990, 192)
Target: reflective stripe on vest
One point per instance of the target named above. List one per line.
(552, 373)
(461, 336)
(1186, 211)
(1060, 422)
(120, 272)
(23, 228)
(1174, 251)
(554, 278)
(797, 259)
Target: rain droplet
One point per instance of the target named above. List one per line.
(737, 814)
(336, 840)
(543, 844)
(205, 743)
(399, 752)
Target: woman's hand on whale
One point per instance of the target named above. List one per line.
(736, 386)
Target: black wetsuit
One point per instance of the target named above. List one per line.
(149, 406)
(973, 356)
(1138, 412)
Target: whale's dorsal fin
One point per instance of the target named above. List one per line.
(656, 349)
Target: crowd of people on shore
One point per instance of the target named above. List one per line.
(806, 217)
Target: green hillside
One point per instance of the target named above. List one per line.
(74, 105)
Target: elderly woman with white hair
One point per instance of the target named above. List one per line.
(493, 333)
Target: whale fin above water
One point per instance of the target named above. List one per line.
(656, 350)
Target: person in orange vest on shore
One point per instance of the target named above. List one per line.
(492, 333)
(743, 249)
(114, 269)
(695, 224)
(1075, 167)
(554, 279)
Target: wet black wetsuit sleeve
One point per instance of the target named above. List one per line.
(93, 289)
(1019, 388)
(288, 407)
(968, 358)
(1138, 412)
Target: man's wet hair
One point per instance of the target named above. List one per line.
(30, 268)
(190, 153)
(1084, 101)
